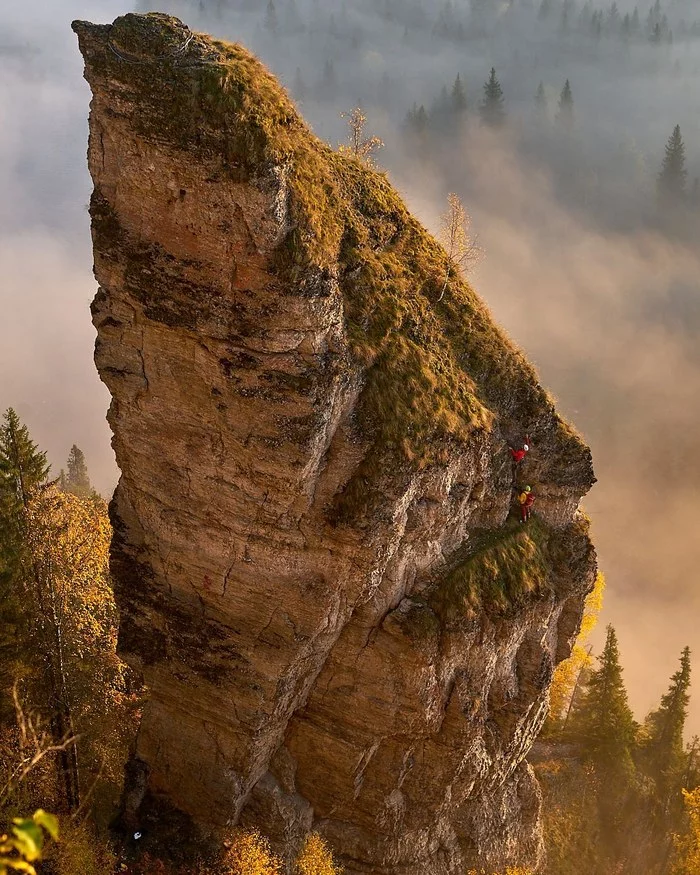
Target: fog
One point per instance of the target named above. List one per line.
(597, 283)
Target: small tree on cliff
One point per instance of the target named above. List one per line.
(359, 145)
(462, 249)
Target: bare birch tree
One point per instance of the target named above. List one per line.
(358, 145)
(463, 251)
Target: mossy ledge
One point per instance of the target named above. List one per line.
(434, 371)
(505, 569)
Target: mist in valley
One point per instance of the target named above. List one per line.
(596, 279)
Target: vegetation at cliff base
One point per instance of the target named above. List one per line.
(68, 705)
(620, 796)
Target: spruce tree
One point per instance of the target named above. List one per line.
(635, 21)
(22, 466)
(664, 729)
(671, 181)
(77, 480)
(23, 469)
(603, 720)
(565, 112)
(271, 22)
(441, 110)
(491, 108)
(459, 97)
(541, 102)
(329, 81)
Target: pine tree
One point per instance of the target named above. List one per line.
(613, 19)
(77, 480)
(635, 20)
(671, 181)
(23, 468)
(441, 110)
(299, 85)
(664, 729)
(544, 10)
(603, 720)
(541, 107)
(459, 97)
(329, 81)
(491, 108)
(565, 112)
(271, 22)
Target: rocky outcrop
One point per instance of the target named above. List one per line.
(339, 626)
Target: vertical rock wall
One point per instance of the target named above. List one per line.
(338, 624)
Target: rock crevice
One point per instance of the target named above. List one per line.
(339, 626)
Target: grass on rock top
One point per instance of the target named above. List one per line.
(434, 370)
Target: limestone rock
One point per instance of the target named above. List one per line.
(339, 625)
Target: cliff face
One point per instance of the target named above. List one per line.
(338, 625)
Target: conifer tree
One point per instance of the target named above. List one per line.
(613, 19)
(671, 181)
(441, 110)
(23, 468)
(271, 22)
(459, 97)
(541, 106)
(77, 480)
(329, 81)
(565, 112)
(603, 720)
(664, 729)
(491, 108)
(299, 85)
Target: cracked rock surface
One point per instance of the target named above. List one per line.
(339, 626)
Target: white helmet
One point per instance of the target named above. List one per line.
(526, 448)
(137, 835)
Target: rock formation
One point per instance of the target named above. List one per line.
(339, 626)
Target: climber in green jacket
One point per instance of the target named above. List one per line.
(526, 499)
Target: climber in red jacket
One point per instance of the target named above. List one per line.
(519, 455)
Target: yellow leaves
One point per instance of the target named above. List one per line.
(509, 871)
(69, 540)
(315, 858)
(568, 671)
(24, 846)
(687, 847)
(250, 854)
